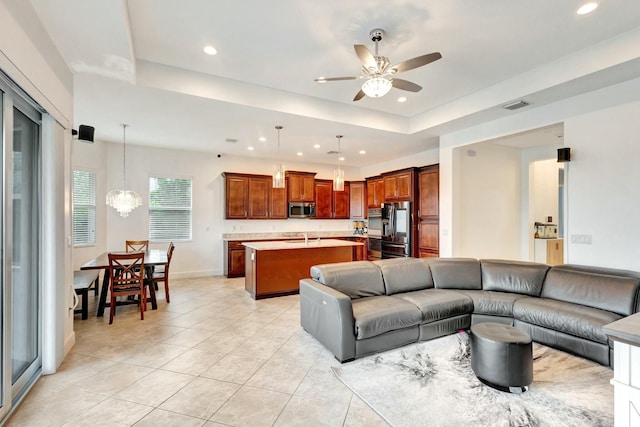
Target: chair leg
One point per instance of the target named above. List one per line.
(143, 303)
(166, 289)
(112, 309)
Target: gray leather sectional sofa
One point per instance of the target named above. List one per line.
(360, 308)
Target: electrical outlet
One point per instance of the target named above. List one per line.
(582, 239)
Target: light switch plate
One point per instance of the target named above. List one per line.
(582, 239)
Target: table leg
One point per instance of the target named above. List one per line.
(103, 293)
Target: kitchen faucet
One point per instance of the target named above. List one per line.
(306, 238)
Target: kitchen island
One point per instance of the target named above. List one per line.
(274, 268)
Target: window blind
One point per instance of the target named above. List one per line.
(84, 208)
(169, 209)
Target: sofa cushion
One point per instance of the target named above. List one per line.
(438, 304)
(356, 279)
(603, 291)
(405, 274)
(492, 303)
(455, 273)
(573, 319)
(513, 276)
(376, 315)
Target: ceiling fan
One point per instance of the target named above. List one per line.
(379, 75)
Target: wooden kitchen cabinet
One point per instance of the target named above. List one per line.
(236, 196)
(301, 186)
(375, 193)
(253, 197)
(398, 186)
(357, 196)
(235, 259)
(331, 204)
(429, 211)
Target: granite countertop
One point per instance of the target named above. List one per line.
(298, 244)
(288, 235)
(626, 330)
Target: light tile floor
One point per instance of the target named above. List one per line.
(212, 357)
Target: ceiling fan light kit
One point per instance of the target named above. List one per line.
(378, 72)
(376, 87)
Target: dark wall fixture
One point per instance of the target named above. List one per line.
(84, 133)
(564, 154)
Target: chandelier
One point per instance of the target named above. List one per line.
(123, 201)
(278, 168)
(338, 174)
(375, 87)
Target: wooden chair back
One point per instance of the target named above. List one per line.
(126, 274)
(163, 276)
(137, 245)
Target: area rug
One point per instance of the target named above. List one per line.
(432, 384)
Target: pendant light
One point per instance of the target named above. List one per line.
(338, 174)
(278, 168)
(124, 201)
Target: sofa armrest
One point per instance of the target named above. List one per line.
(327, 315)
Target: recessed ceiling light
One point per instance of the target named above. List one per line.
(402, 99)
(210, 50)
(321, 79)
(262, 139)
(299, 153)
(363, 152)
(587, 8)
(341, 159)
(250, 148)
(316, 145)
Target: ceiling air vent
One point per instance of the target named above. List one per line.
(515, 105)
(231, 140)
(332, 152)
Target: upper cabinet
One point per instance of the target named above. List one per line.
(331, 204)
(375, 192)
(300, 186)
(357, 197)
(398, 186)
(252, 197)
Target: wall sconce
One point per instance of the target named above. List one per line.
(84, 133)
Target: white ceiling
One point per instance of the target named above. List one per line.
(141, 62)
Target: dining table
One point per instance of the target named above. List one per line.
(152, 258)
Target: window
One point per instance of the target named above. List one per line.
(169, 209)
(84, 208)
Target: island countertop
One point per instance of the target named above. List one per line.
(299, 244)
(248, 237)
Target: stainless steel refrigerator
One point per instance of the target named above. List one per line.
(396, 230)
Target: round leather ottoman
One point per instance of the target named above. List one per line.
(501, 356)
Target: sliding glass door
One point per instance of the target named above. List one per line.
(20, 295)
(25, 280)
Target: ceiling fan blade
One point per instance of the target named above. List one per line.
(405, 85)
(333, 79)
(359, 95)
(366, 57)
(416, 62)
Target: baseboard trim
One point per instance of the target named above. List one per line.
(69, 343)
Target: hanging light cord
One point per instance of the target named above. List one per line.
(339, 139)
(278, 128)
(124, 155)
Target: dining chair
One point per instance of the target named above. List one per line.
(163, 276)
(126, 273)
(137, 245)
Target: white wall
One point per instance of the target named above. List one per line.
(486, 215)
(543, 187)
(602, 131)
(423, 158)
(603, 186)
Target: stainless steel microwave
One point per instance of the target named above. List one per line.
(302, 210)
